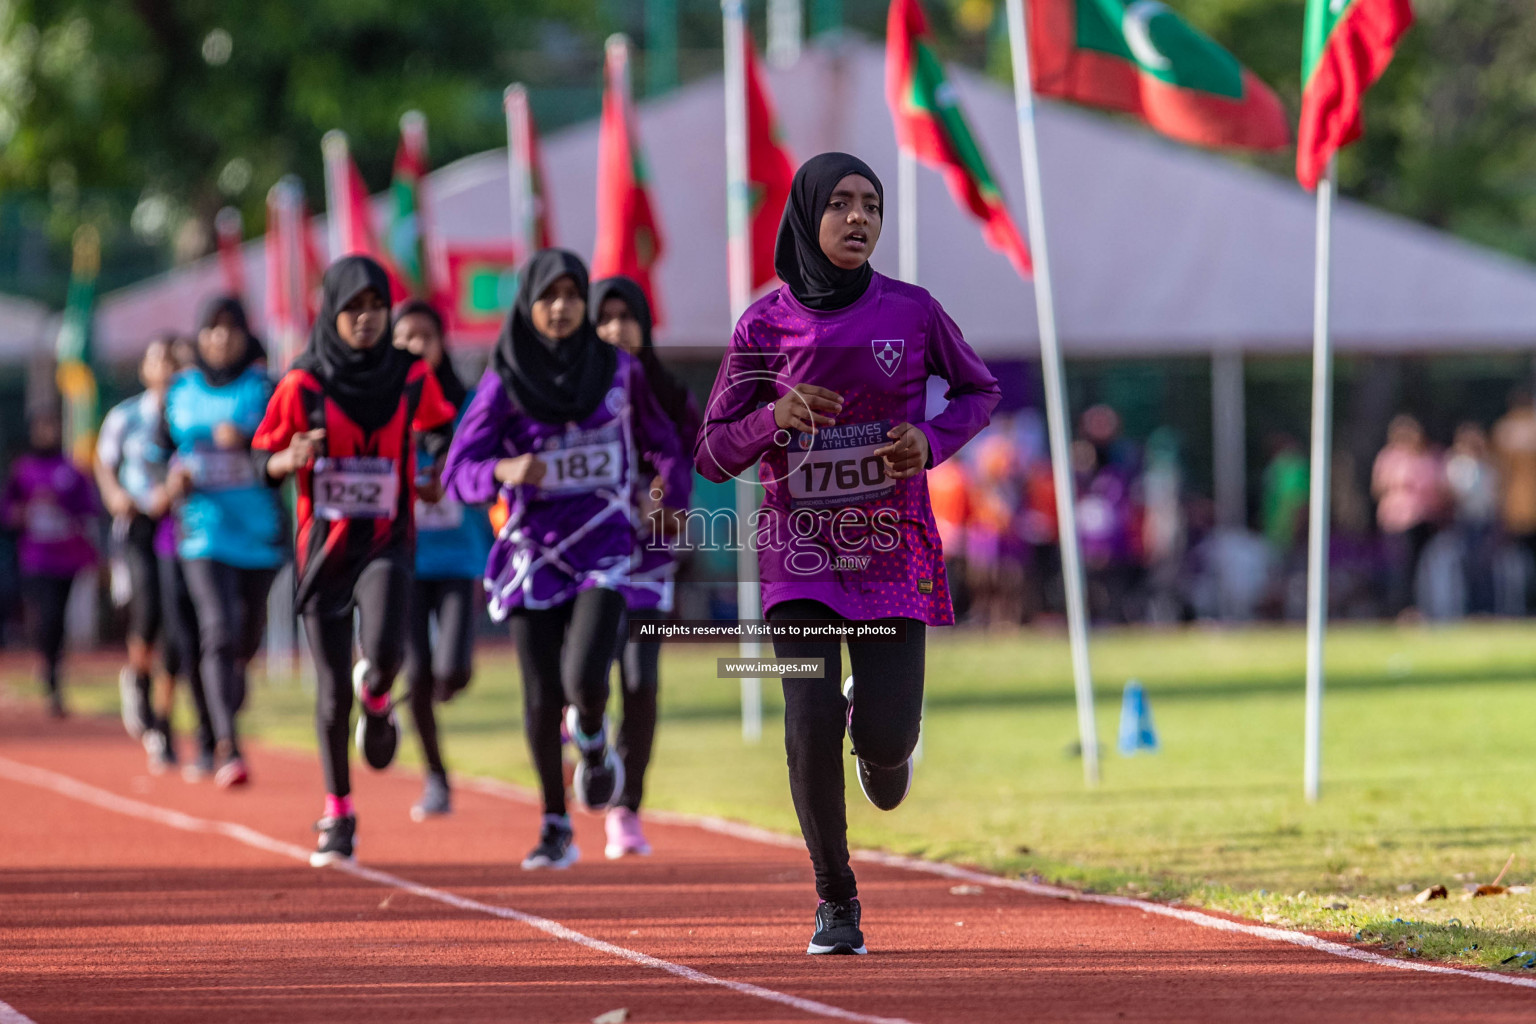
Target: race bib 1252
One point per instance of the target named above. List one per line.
(356, 487)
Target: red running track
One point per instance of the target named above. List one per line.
(111, 910)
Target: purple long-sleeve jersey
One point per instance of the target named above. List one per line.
(579, 528)
(53, 504)
(833, 528)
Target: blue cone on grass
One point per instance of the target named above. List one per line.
(1137, 733)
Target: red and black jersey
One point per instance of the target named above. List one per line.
(356, 501)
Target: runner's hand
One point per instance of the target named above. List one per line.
(907, 454)
(228, 437)
(159, 503)
(119, 503)
(805, 407)
(524, 469)
(429, 484)
(178, 482)
(304, 447)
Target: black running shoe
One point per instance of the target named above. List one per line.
(378, 733)
(886, 788)
(599, 774)
(557, 845)
(338, 841)
(837, 929)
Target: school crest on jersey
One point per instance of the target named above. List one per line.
(888, 353)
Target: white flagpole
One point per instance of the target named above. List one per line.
(785, 32)
(1055, 396)
(333, 147)
(1318, 504)
(748, 599)
(906, 214)
(519, 168)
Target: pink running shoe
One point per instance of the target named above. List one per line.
(231, 774)
(624, 835)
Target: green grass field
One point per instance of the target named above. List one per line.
(1428, 748)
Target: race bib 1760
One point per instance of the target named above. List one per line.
(837, 466)
(356, 487)
(582, 461)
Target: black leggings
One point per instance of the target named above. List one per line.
(231, 617)
(47, 597)
(144, 605)
(180, 648)
(887, 716)
(438, 674)
(639, 676)
(565, 653)
(381, 597)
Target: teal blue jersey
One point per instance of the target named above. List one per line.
(229, 516)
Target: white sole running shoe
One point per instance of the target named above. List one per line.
(132, 703)
(884, 788)
(377, 736)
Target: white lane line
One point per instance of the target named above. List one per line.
(10, 1015)
(86, 793)
(751, 833)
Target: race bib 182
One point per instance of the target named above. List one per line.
(837, 466)
(356, 487)
(582, 461)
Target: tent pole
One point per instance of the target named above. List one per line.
(1229, 435)
(1318, 506)
(1055, 397)
(748, 599)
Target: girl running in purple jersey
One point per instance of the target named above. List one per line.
(623, 318)
(824, 385)
(53, 507)
(559, 424)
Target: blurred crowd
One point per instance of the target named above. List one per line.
(1427, 530)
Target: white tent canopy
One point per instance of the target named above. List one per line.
(26, 327)
(1157, 248)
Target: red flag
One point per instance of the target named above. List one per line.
(929, 124)
(230, 230)
(351, 211)
(628, 240)
(1347, 44)
(770, 169)
(526, 169)
(1140, 57)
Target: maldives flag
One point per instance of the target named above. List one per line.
(351, 211)
(408, 233)
(628, 240)
(930, 125)
(1347, 45)
(1143, 59)
(770, 169)
(229, 230)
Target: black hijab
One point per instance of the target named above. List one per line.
(447, 377)
(366, 383)
(556, 381)
(255, 351)
(669, 391)
(813, 279)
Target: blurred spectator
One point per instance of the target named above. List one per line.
(1283, 514)
(1108, 515)
(1473, 481)
(1514, 447)
(1408, 485)
(994, 541)
(949, 493)
(1163, 535)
